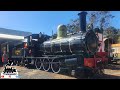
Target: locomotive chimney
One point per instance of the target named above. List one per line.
(82, 17)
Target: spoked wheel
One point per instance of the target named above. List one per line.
(38, 64)
(22, 62)
(55, 66)
(17, 63)
(26, 62)
(46, 65)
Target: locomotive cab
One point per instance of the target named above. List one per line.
(32, 39)
(33, 42)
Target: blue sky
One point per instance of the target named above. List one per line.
(42, 21)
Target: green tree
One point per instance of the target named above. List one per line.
(118, 40)
(112, 32)
(73, 26)
(99, 19)
(102, 19)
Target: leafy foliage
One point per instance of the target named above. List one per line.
(99, 19)
(111, 32)
(73, 26)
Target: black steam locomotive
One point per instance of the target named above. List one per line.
(66, 52)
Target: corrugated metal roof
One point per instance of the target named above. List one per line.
(14, 32)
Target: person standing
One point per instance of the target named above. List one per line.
(4, 58)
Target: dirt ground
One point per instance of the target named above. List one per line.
(111, 72)
(25, 73)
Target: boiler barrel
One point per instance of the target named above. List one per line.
(75, 44)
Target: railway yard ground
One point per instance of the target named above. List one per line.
(111, 72)
(25, 73)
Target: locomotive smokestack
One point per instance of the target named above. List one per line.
(82, 17)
